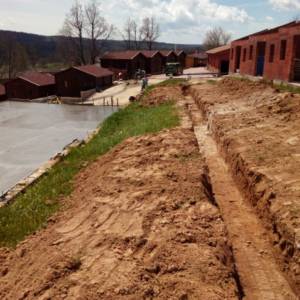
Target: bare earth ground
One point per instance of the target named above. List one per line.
(257, 130)
(141, 224)
(157, 219)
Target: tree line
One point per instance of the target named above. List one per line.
(82, 36)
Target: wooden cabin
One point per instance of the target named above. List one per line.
(181, 58)
(155, 61)
(73, 81)
(30, 85)
(125, 62)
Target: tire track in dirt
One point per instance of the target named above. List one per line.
(259, 273)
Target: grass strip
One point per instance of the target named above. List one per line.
(31, 210)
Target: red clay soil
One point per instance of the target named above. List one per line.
(141, 224)
(258, 131)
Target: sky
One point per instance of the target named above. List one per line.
(181, 21)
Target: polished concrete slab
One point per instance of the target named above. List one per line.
(31, 133)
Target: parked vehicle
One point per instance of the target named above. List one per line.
(173, 69)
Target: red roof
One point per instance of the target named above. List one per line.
(124, 55)
(178, 52)
(167, 52)
(94, 70)
(2, 90)
(199, 55)
(219, 49)
(150, 53)
(40, 79)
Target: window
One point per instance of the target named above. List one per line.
(272, 52)
(244, 54)
(251, 52)
(66, 84)
(283, 50)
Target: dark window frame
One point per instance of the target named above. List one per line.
(283, 47)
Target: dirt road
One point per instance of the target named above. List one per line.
(195, 212)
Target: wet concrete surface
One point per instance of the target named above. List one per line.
(30, 134)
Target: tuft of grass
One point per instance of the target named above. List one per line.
(210, 81)
(287, 88)
(31, 210)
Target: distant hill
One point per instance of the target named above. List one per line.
(44, 47)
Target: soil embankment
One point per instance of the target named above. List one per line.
(257, 130)
(141, 224)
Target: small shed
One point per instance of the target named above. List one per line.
(130, 61)
(155, 61)
(218, 59)
(197, 59)
(169, 56)
(2, 92)
(73, 81)
(181, 57)
(30, 85)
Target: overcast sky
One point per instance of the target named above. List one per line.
(182, 21)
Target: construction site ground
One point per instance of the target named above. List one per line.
(207, 210)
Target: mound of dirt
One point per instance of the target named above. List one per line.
(141, 224)
(258, 131)
(162, 95)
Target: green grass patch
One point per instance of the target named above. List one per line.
(31, 210)
(210, 81)
(287, 88)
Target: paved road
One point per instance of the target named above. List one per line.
(32, 133)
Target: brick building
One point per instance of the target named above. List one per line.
(218, 59)
(30, 85)
(2, 92)
(73, 81)
(126, 62)
(197, 59)
(273, 53)
(155, 61)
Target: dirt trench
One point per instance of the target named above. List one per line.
(254, 128)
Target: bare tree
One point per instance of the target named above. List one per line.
(149, 31)
(131, 34)
(96, 27)
(216, 37)
(74, 28)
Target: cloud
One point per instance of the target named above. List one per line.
(269, 18)
(285, 4)
(179, 19)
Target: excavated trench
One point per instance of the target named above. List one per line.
(259, 273)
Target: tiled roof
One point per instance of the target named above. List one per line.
(166, 52)
(218, 49)
(150, 53)
(2, 90)
(40, 79)
(200, 55)
(178, 52)
(124, 55)
(94, 70)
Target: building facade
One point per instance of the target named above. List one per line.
(273, 54)
(30, 85)
(125, 62)
(218, 59)
(73, 81)
(155, 61)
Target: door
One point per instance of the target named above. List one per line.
(296, 73)
(224, 67)
(238, 52)
(260, 62)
